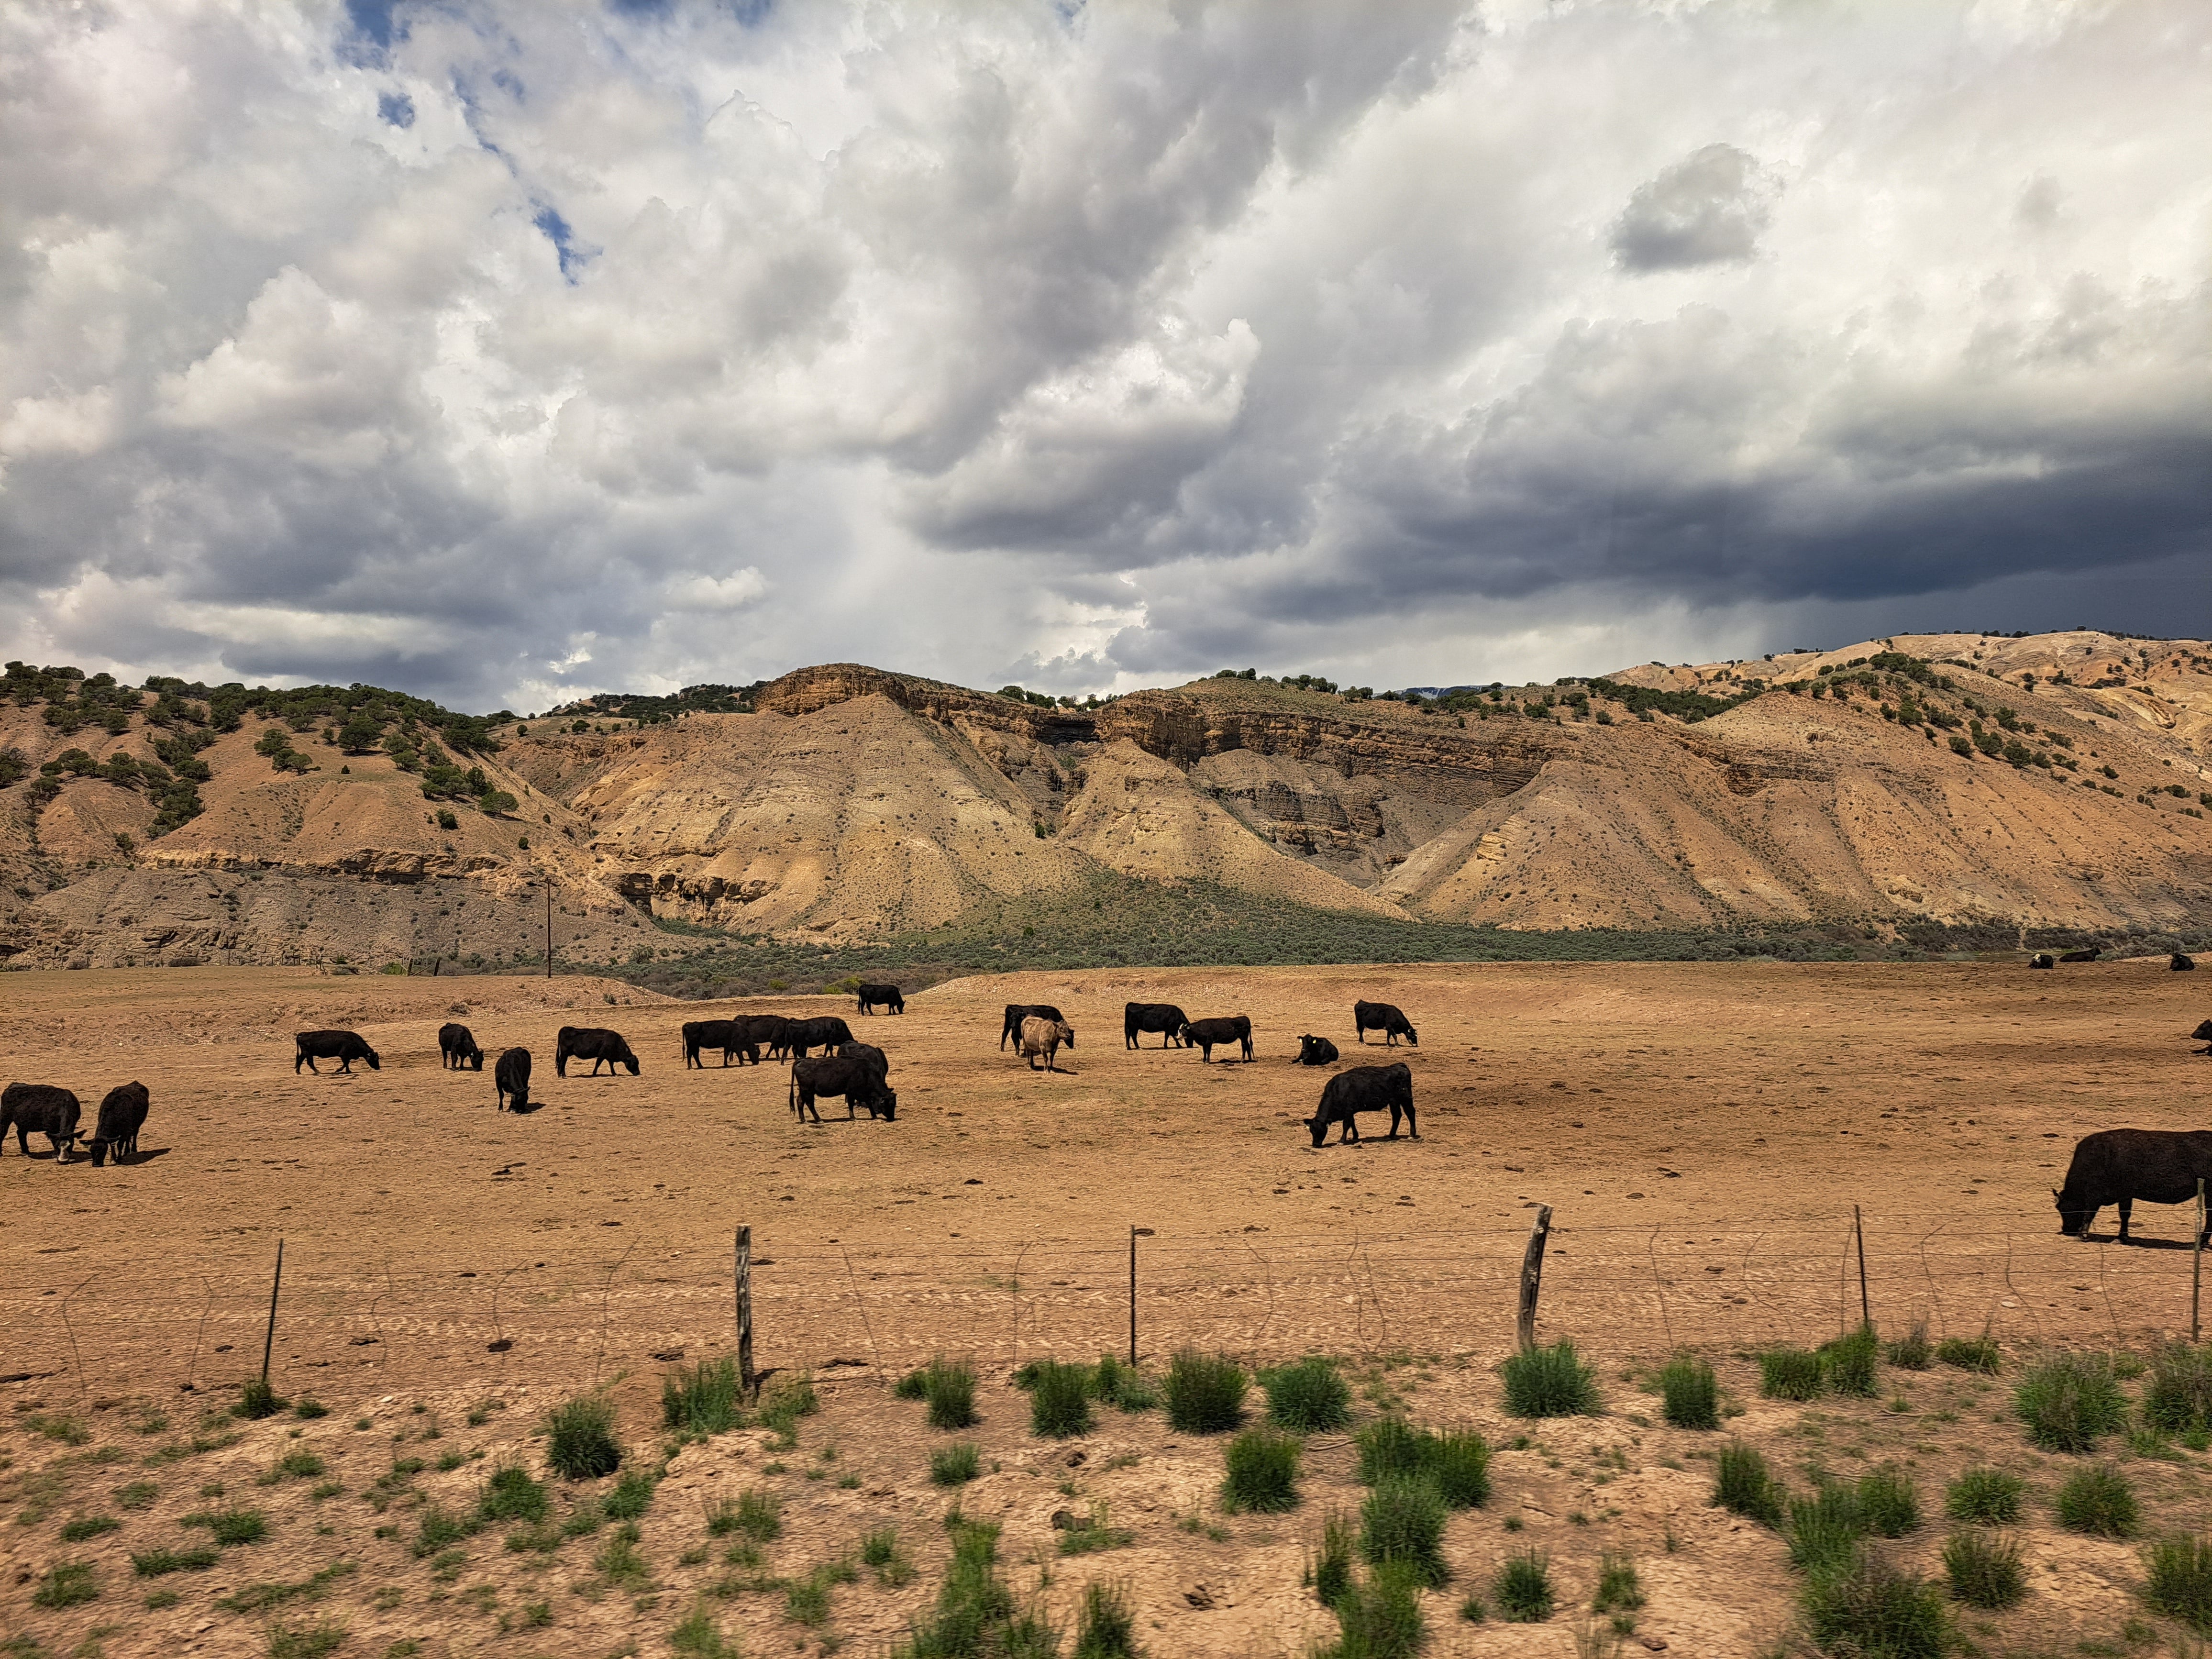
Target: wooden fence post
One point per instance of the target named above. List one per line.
(1531, 1274)
(1133, 1296)
(269, 1340)
(1858, 1234)
(744, 1293)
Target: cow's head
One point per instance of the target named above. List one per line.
(370, 1054)
(1308, 1050)
(98, 1147)
(1067, 1035)
(884, 1106)
(630, 1061)
(2203, 1033)
(1413, 1036)
(1317, 1125)
(1182, 1034)
(2073, 1213)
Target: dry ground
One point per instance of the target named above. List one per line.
(1703, 1131)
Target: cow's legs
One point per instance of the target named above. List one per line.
(2127, 1210)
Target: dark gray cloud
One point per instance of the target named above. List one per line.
(505, 350)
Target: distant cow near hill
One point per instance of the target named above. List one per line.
(343, 1046)
(701, 1035)
(1011, 1026)
(1365, 1088)
(2182, 962)
(2043, 959)
(825, 1033)
(2089, 955)
(2203, 1034)
(872, 996)
(1383, 1017)
(1161, 1017)
(2119, 1166)
(1044, 1037)
(1316, 1051)
(511, 1076)
(122, 1114)
(1208, 1034)
(859, 1078)
(593, 1042)
(457, 1047)
(54, 1112)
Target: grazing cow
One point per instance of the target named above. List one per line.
(759, 1031)
(1019, 1011)
(2089, 955)
(52, 1112)
(343, 1046)
(1044, 1037)
(2182, 962)
(825, 1033)
(457, 1047)
(1365, 1088)
(1316, 1051)
(699, 1034)
(595, 1043)
(511, 1075)
(2118, 1166)
(2043, 959)
(1235, 1028)
(1384, 1018)
(122, 1114)
(2203, 1034)
(859, 1078)
(888, 996)
(1161, 1017)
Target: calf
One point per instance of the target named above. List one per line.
(1316, 1051)
(2043, 959)
(825, 1033)
(857, 1076)
(457, 1047)
(702, 1034)
(1365, 1088)
(885, 996)
(1206, 1033)
(343, 1046)
(1161, 1017)
(595, 1043)
(2182, 962)
(511, 1076)
(1383, 1017)
(2203, 1034)
(2118, 1166)
(1044, 1037)
(54, 1112)
(122, 1114)
(1019, 1011)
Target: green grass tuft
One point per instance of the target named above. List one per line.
(949, 1386)
(2069, 1400)
(1382, 1618)
(1913, 1351)
(1550, 1383)
(1850, 1364)
(1689, 1394)
(1106, 1627)
(1262, 1476)
(1205, 1393)
(1521, 1588)
(708, 1399)
(257, 1400)
(1330, 1570)
(758, 1515)
(1388, 1446)
(1309, 1397)
(153, 1564)
(1790, 1374)
(580, 1438)
(1402, 1523)
(632, 1495)
(1619, 1588)
(1459, 1463)
(1122, 1385)
(2098, 1502)
(1872, 1608)
(1977, 1353)
(1825, 1529)
(305, 1641)
(512, 1495)
(438, 1531)
(1743, 1483)
(1987, 1497)
(1983, 1569)
(2178, 1581)
(700, 1637)
(1059, 1400)
(955, 1465)
(69, 1584)
(88, 1526)
(2178, 1398)
(230, 1527)
(1889, 1503)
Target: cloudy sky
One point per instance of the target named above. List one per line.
(503, 350)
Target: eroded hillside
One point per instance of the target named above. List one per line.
(2057, 780)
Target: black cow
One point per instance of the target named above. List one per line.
(54, 1113)
(1384, 1018)
(887, 996)
(2043, 959)
(595, 1043)
(1161, 1017)
(2118, 1166)
(700, 1034)
(2203, 1034)
(457, 1047)
(122, 1114)
(1365, 1088)
(2182, 962)
(824, 1033)
(868, 1055)
(1316, 1051)
(343, 1046)
(1019, 1011)
(858, 1076)
(511, 1076)
(1205, 1033)
(2089, 955)
(759, 1031)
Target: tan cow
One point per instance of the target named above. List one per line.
(1044, 1037)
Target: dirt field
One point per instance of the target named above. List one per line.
(1701, 1131)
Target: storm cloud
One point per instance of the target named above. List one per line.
(505, 350)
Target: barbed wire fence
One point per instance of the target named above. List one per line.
(348, 1324)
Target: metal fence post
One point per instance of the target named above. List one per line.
(269, 1340)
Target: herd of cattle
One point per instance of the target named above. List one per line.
(2113, 1167)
